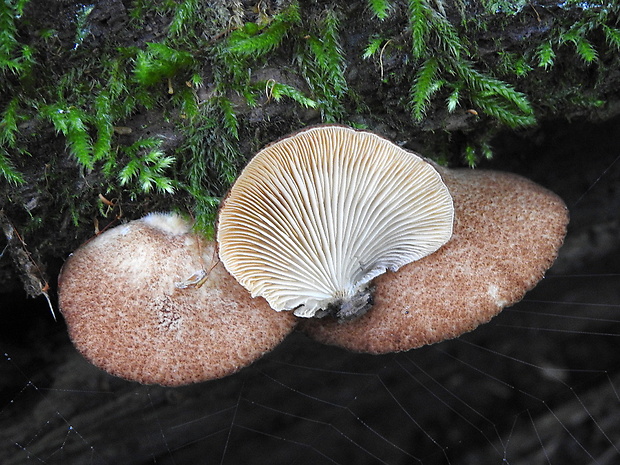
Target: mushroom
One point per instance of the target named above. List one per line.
(147, 301)
(316, 216)
(507, 233)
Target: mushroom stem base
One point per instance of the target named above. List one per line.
(349, 309)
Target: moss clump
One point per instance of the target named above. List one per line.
(144, 114)
(16, 60)
(461, 63)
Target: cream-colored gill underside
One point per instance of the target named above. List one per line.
(316, 216)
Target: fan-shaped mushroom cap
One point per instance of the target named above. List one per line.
(507, 233)
(134, 306)
(314, 217)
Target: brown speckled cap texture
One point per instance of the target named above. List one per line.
(132, 309)
(507, 233)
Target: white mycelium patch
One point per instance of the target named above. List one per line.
(171, 223)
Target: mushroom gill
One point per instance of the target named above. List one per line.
(317, 215)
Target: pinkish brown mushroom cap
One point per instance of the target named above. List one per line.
(507, 233)
(136, 307)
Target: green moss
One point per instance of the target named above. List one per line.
(9, 142)
(159, 62)
(257, 40)
(322, 63)
(207, 71)
(425, 86)
(15, 57)
(16, 60)
(211, 160)
(146, 167)
(443, 60)
(380, 8)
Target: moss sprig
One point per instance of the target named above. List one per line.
(612, 35)
(381, 9)
(72, 123)
(9, 142)
(146, 167)
(158, 62)
(185, 16)
(321, 61)
(419, 25)
(545, 54)
(210, 159)
(8, 171)
(15, 57)
(278, 91)
(255, 40)
(425, 86)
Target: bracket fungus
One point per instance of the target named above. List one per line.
(144, 301)
(327, 221)
(316, 216)
(331, 220)
(507, 233)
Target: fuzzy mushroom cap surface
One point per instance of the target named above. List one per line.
(134, 306)
(314, 217)
(507, 233)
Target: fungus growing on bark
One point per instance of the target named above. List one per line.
(507, 233)
(144, 301)
(316, 216)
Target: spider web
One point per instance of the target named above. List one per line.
(539, 384)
